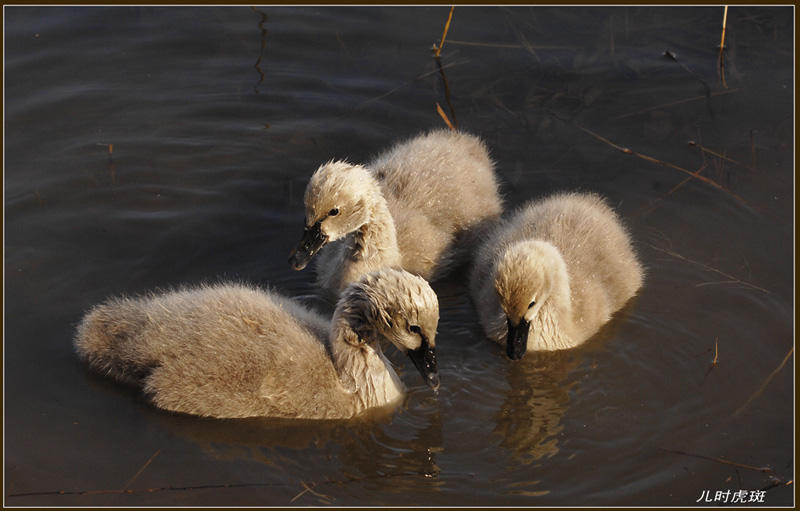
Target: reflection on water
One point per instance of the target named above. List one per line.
(405, 451)
(530, 416)
(257, 65)
(539, 392)
(377, 445)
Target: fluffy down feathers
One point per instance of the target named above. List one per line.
(563, 265)
(412, 207)
(231, 350)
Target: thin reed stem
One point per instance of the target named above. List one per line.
(764, 385)
(141, 470)
(719, 460)
(625, 150)
(722, 47)
(444, 116)
(438, 49)
(710, 268)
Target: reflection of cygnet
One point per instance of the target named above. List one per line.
(550, 276)
(408, 208)
(229, 350)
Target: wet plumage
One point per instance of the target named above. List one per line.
(232, 350)
(416, 206)
(553, 273)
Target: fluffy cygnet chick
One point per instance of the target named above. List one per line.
(230, 350)
(412, 207)
(552, 274)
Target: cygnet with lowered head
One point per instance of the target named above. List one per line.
(231, 350)
(553, 273)
(412, 207)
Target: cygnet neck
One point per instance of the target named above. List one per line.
(552, 326)
(375, 243)
(360, 364)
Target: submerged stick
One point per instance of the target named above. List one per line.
(776, 483)
(437, 53)
(625, 150)
(308, 489)
(706, 88)
(673, 103)
(720, 156)
(140, 490)
(769, 379)
(257, 65)
(141, 470)
(701, 169)
(446, 95)
(733, 279)
(236, 485)
(766, 470)
(528, 47)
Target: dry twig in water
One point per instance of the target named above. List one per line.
(766, 470)
(776, 483)
(706, 88)
(454, 124)
(139, 490)
(625, 150)
(671, 104)
(308, 489)
(716, 356)
(368, 102)
(733, 279)
(444, 116)
(141, 470)
(769, 379)
(438, 49)
(722, 47)
(720, 156)
(437, 52)
(221, 486)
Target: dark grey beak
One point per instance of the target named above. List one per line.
(424, 359)
(310, 243)
(517, 342)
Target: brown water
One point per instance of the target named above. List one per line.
(150, 147)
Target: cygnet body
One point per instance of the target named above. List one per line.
(552, 274)
(412, 207)
(231, 350)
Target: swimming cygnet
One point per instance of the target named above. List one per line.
(412, 207)
(231, 350)
(552, 274)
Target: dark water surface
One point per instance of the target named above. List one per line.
(151, 147)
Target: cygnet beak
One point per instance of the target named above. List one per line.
(424, 359)
(310, 243)
(517, 342)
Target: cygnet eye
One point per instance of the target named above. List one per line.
(532, 304)
(414, 329)
(333, 212)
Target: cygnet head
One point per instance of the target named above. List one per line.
(527, 275)
(337, 203)
(401, 308)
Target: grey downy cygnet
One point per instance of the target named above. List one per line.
(414, 207)
(552, 274)
(232, 350)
